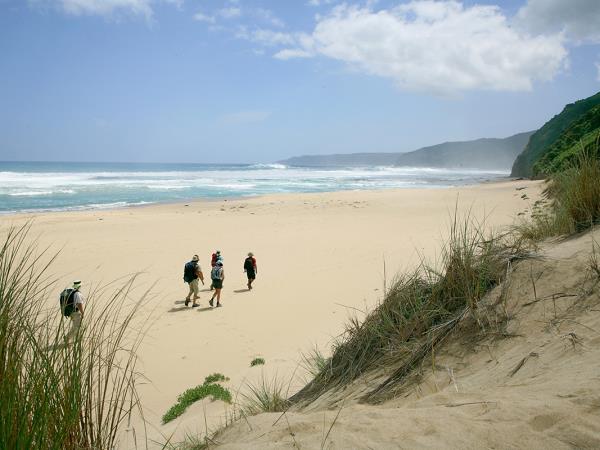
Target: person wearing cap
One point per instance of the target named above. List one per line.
(213, 262)
(77, 315)
(191, 274)
(250, 268)
(217, 274)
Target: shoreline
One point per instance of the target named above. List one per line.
(195, 200)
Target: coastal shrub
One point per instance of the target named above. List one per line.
(572, 201)
(210, 388)
(257, 362)
(265, 396)
(419, 306)
(53, 395)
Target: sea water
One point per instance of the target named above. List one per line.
(53, 186)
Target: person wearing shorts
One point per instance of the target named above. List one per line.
(250, 268)
(217, 275)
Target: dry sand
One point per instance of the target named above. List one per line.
(535, 387)
(319, 256)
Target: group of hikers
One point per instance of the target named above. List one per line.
(71, 299)
(192, 275)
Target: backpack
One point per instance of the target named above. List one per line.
(189, 271)
(215, 273)
(249, 264)
(67, 301)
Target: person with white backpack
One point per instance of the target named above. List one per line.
(217, 275)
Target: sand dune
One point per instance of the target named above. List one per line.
(537, 387)
(320, 257)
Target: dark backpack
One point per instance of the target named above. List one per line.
(67, 301)
(189, 271)
(248, 265)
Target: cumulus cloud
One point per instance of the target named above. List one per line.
(579, 20)
(201, 17)
(436, 46)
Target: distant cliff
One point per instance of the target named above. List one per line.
(551, 145)
(487, 153)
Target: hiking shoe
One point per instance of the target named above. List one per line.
(219, 305)
(210, 302)
(187, 301)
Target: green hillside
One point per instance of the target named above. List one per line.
(582, 134)
(558, 136)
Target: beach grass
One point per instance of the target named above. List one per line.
(58, 395)
(416, 308)
(267, 395)
(572, 201)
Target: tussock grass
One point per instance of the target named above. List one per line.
(572, 201)
(56, 395)
(209, 388)
(417, 306)
(313, 361)
(265, 396)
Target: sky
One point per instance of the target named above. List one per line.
(243, 81)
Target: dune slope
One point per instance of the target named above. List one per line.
(536, 386)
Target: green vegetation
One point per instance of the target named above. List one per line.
(558, 136)
(209, 388)
(57, 396)
(257, 362)
(266, 396)
(572, 201)
(314, 362)
(419, 310)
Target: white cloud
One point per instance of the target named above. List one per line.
(230, 13)
(266, 15)
(271, 38)
(429, 45)
(201, 17)
(106, 8)
(578, 19)
(319, 2)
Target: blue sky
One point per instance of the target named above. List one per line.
(258, 81)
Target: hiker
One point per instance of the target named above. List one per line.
(71, 302)
(217, 274)
(191, 274)
(250, 268)
(213, 262)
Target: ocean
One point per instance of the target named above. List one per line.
(53, 186)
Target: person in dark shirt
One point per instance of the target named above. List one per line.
(250, 268)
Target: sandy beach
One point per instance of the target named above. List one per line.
(320, 258)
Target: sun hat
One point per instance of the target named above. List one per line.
(76, 284)
(250, 254)
(195, 258)
(218, 252)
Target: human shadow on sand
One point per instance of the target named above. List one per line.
(181, 308)
(239, 291)
(206, 308)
